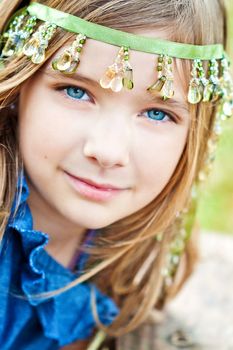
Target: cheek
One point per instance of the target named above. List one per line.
(47, 131)
(157, 158)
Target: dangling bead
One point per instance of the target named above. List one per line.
(127, 71)
(73, 67)
(167, 89)
(54, 64)
(119, 74)
(31, 47)
(225, 108)
(105, 81)
(116, 84)
(36, 46)
(208, 92)
(195, 92)
(64, 61)
(69, 60)
(9, 49)
(165, 81)
(14, 36)
(219, 88)
(211, 88)
(197, 83)
(128, 80)
(158, 85)
(128, 76)
(39, 56)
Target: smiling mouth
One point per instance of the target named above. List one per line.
(92, 190)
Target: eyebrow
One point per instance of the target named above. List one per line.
(170, 102)
(75, 76)
(149, 98)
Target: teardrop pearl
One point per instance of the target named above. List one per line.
(116, 84)
(54, 64)
(217, 93)
(128, 84)
(194, 93)
(208, 92)
(39, 56)
(105, 81)
(31, 47)
(73, 67)
(64, 61)
(158, 85)
(128, 79)
(168, 89)
(8, 49)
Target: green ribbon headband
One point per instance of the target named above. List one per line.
(119, 38)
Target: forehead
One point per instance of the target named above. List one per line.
(96, 56)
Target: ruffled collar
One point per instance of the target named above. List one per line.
(68, 316)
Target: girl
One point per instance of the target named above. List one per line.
(104, 133)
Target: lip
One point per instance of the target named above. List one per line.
(91, 189)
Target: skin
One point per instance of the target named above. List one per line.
(106, 137)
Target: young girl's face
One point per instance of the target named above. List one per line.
(93, 156)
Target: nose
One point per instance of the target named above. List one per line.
(108, 143)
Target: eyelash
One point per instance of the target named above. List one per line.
(169, 117)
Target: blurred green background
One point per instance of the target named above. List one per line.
(216, 205)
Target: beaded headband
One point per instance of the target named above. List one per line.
(24, 36)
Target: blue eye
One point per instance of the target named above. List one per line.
(77, 93)
(157, 115)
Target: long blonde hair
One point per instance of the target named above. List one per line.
(123, 246)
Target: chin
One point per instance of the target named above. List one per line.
(96, 225)
(91, 222)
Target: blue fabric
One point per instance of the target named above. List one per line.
(32, 323)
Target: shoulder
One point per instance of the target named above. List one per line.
(201, 316)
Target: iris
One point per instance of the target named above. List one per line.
(157, 114)
(76, 93)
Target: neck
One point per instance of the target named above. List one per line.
(64, 237)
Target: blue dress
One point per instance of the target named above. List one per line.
(29, 322)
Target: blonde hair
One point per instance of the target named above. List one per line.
(123, 246)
